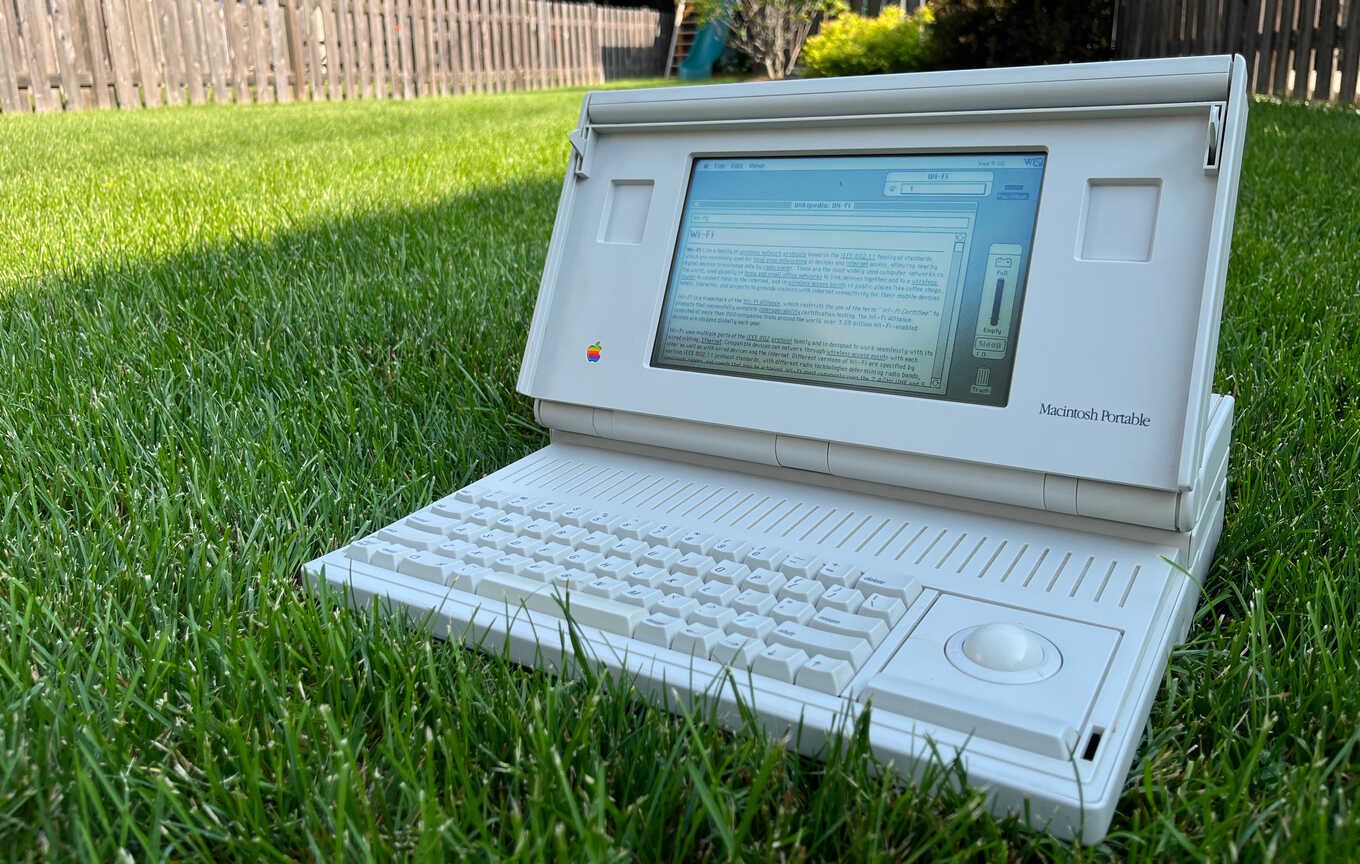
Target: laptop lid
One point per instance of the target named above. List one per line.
(1021, 267)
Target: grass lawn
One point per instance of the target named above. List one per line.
(232, 339)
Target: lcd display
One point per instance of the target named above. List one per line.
(903, 274)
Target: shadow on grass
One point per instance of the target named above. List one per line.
(315, 382)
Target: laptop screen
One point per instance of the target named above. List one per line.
(900, 274)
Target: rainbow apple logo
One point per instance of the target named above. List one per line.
(593, 353)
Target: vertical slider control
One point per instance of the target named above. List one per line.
(996, 307)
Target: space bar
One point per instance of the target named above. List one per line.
(584, 609)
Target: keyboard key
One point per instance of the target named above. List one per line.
(548, 509)
(664, 534)
(851, 648)
(634, 528)
(719, 593)
(572, 580)
(641, 595)
(768, 581)
(792, 610)
(696, 639)
(452, 508)
(843, 599)
(695, 564)
(554, 553)
(454, 549)
(779, 661)
(887, 609)
(502, 588)
(359, 550)
(494, 538)
(807, 590)
(483, 555)
(713, 615)
(495, 498)
(568, 534)
(430, 524)
(468, 495)
(753, 601)
(466, 577)
(802, 565)
(614, 567)
(661, 556)
(468, 531)
(388, 554)
(540, 528)
(598, 541)
(737, 650)
(409, 537)
(604, 521)
(730, 572)
(630, 548)
(603, 586)
(898, 585)
(752, 625)
(658, 629)
(485, 516)
(681, 583)
(769, 557)
(427, 566)
(826, 674)
(525, 546)
(512, 522)
(677, 605)
(544, 571)
(646, 575)
(730, 549)
(583, 559)
(697, 542)
(846, 624)
(520, 504)
(574, 516)
(512, 563)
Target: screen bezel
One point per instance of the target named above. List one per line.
(693, 158)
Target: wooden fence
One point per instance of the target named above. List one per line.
(76, 54)
(1302, 49)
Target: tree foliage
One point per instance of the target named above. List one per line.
(854, 45)
(771, 32)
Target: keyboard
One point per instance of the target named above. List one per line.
(784, 611)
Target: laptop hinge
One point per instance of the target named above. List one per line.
(580, 139)
(1213, 146)
(1053, 493)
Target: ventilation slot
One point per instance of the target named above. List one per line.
(1088, 753)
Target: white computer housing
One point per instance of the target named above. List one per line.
(1045, 451)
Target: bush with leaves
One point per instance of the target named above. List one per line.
(970, 34)
(855, 45)
(770, 32)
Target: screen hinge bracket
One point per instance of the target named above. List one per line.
(1213, 147)
(580, 152)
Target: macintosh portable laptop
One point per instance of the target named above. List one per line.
(887, 394)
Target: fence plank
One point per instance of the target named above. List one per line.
(1350, 55)
(193, 61)
(1303, 48)
(1326, 44)
(96, 41)
(234, 44)
(368, 47)
(1265, 45)
(62, 29)
(11, 100)
(310, 49)
(33, 18)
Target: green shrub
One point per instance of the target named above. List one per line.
(969, 34)
(855, 45)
